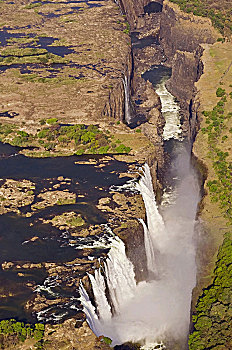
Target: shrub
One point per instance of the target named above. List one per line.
(87, 137)
(221, 39)
(122, 149)
(51, 121)
(127, 30)
(220, 92)
(18, 141)
(49, 146)
(21, 330)
(79, 152)
(23, 133)
(6, 129)
(103, 150)
(106, 340)
(43, 133)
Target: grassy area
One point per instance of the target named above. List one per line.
(220, 15)
(11, 56)
(217, 129)
(79, 139)
(212, 317)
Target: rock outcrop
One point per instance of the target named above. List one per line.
(132, 9)
(181, 36)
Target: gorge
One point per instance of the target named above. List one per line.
(121, 231)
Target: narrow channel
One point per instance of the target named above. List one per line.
(156, 311)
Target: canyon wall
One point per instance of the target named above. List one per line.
(181, 36)
(115, 103)
(133, 9)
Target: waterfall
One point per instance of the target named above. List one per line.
(99, 291)
(154, 219)
(150, 311)
(150, 252)
(117, 2)
(89, 311)
(154, 231)
(119, 275)
(121, 284)
(128, 116)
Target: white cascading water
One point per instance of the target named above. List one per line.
(99, 290)
(170, 111)
(159, 308)
(126, 83)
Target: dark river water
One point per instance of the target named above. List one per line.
(52, 245)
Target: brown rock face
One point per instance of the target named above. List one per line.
(133, 238)
(115, 104)
(67, 337)
(182, 31)
(133, 9)
(181, 36)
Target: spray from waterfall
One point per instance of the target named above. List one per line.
(158, 308)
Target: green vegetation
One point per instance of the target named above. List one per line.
(22, 52)
(105, 340)
(76, 221)
(23, 40)
(221, 188)
(220, 92)
(212, 320)
(53, 136)
(122, 149)
(221, 19)
(213, 315)
(52, 121)
(127, 30)
(33, 5)
(29, 55)
(19, 331)
(66, 201)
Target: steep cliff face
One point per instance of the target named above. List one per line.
(133, 9)
(115, 103)
(182, 31)
(181, 36)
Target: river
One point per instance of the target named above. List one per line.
(156, 311)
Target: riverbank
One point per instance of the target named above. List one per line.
(217, 60)
(212, 148)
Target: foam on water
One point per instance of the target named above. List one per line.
(170, 110)
(129, 186)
